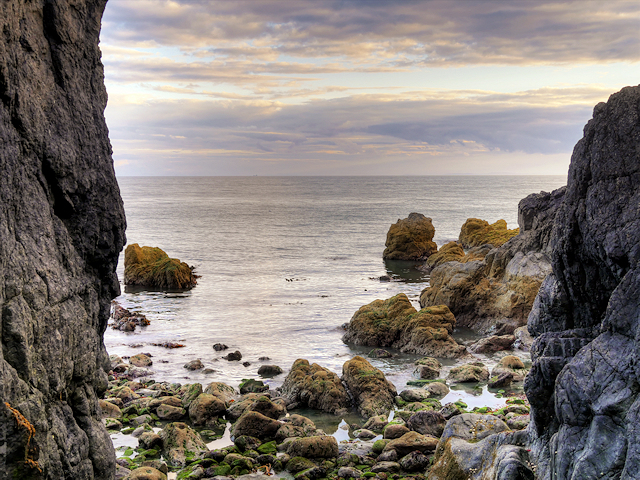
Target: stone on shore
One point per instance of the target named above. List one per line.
(372, 392)
(476, 232)
(255, 424)
(492, 344)
(427, 368)
(510, 364)
(450, 252)
(314, 386)
(396, 323)
(181, 444)
(206, 409)
(468, 373)
(141, 360)
(410, 239)
(152, 267)
(314, 447)
(410, 442)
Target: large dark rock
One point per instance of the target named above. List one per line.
(372, 393)
(496, 292)
(584, 383)
(61, 229)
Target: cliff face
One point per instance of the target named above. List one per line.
(61, 229)
(585, 382)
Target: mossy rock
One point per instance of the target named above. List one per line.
(378, 445)
(410, 238)
(476, 232)
(450, 252)
(299, 464)
(267, 448)
(152, 267)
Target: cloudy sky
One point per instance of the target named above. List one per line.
(360, 87)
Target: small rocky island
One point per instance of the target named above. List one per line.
(152, 267)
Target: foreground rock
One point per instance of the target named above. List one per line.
(61, 229)
(152, 267)
(372, 392)
(314, 386)
(396, 323)
(495, 293)
(410, 239)
(181, 444)
(583, 385)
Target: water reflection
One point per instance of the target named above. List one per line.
(405, 271)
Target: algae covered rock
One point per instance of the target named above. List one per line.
(314, 447)
(450, 252)
(314, 386)
(152, 267)
(427, 368)
(468, 373)
(396, 323)
(372, 392)
(410, 239)
(476, 232)
(181, 444)
(255, 424)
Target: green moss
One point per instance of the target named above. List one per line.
(151, 267)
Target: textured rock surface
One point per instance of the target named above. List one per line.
(476, 232)
(496, 293)
(152, 267)
(396, 323)
(410, 239)
(372, 392)
(314, 386)
(61, 229)
(583, 385)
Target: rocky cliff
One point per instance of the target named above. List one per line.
(61, 229)
(584, 385)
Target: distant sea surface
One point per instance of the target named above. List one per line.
(285, 261)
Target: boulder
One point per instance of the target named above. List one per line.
(255, 424)
(152, 267)
(501, 381)
(450, 252)
(396, 323)
(269, 370)
(223, 391)
(141, 360)
(146, 473)
(206, 409)
(233, 356)
(410, 442)
(427, 368)
(314, 447)
(427, 422)
(373, 394)
(167, 412)
(253, 386)
(109, 410)
(468, 373)
(583, 384)
(314, 386)
(394, 430)
(267, 407)
(194, 365)
(410, 239)
(181, 444)
(415, 462)
(492, 344)
(510, 364)
(476, 232)
(502, 283)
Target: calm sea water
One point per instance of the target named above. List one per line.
(285, 261)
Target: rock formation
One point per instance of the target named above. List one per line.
(476, 232)
(61, 229)
(396, 323)
(152, 267)
(410, 239)
(496, 293)
(584, 383)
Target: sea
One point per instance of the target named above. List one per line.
(284, 262)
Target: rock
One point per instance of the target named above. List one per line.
(269, 370)
(476, 232)
(181, 444)
(295, 426)
(492, 344)
(206, 409)
(523, 339)
(396, 323)
(62, 227)
(364, 434)
(427, 422)
(501, 381)
(152, 267)
(150, 440)
(265, 406)
(518, 422)
(388, 456)
(349, 472)
(194, 365)
(314, 386)
(468, 373)
(170, 400)
(510, 364)
(127, 321)
(387, 467)
(167, 412)
(112, 424)
(299, 464)
(414, 462)
(255, 424)
(190, 392)
(428, 368)
(380, 353)
(223, 391)
(245, 442)
(410, 239)
(373, 394)
(503, 283)
(141, 360)
(146, 473)
(414, 394)
(253, 386)
(394, 430)
(376, 423)
(450, 252)
(412, 441)
(437, 389)
(109, 410)
(314, 447)
(478, 447)
(157, 464)
(219, 347)
(233, 356)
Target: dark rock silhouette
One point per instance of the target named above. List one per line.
(61, 229)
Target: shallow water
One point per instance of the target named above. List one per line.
(285, 261)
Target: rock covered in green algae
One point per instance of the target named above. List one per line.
(314, 386)
(468, 373)
(181, 444)
(427, 368)
(449, 252)
(476, 232)
(206, 409)
(314, 447)
(510, 364)
(146, 473)
(410, 442)
(255, 424)
(372, 392)
(410, 239)
(152, 267)
(396, 323)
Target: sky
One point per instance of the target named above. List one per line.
(360, 87)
